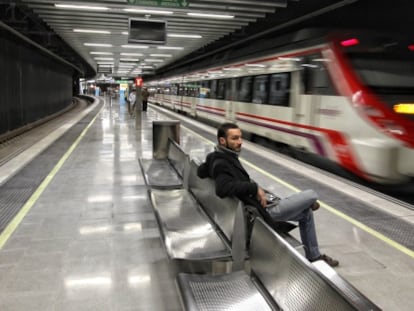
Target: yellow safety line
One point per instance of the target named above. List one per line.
(356, 223)
(5, 235)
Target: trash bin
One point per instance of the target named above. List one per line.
(161, 131)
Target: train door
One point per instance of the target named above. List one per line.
(314, 90)
(231, 97)
(178, 105)
(317, 90)
(307, 101)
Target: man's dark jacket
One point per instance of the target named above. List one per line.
(231, 179)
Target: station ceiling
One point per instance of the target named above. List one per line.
(93, 35)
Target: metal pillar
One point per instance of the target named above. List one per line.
(138, 105)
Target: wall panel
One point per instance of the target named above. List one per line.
(33, 85)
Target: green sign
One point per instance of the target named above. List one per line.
(161, 3)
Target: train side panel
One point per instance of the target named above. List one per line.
(212, 110)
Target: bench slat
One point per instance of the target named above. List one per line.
(234, 291)
(221, 210)
(187, 231)
(160, 174)
(165, 173)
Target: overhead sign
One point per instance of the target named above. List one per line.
(161, 3)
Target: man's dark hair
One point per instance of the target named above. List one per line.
(223, 128)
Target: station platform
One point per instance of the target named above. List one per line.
(77, 231)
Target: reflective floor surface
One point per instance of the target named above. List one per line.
(90, 241)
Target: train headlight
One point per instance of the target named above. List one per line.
(404, 108)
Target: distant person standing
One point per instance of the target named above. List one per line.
(131, 102)
(145, 95)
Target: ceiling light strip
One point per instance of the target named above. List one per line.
(149, 11)
(225, 16)
(81, 7)
(92, 31)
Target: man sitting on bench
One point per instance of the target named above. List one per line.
(231, 179)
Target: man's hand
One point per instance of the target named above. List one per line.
(261, 196)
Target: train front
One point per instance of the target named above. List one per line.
(379, 74)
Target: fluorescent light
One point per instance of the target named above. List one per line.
(104, 58)
(81, 7)
(160, 55)
(210, 15)
(170, 48)
(125, 33)
(129, 59)
(132, 54)
(92, 31)
(177, 35)
(149, 11)
(135, 46)
(153, 60)
(98, 44)
(101, 53)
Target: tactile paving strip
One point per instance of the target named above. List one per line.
(16, 191)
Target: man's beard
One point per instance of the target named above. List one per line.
(232, 149)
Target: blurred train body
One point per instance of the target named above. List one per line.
(345, 96)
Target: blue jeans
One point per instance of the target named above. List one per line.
(296, 207)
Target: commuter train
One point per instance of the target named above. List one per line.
(347, 96)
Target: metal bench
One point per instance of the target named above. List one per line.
(168, 172)
(201, 232)
(280, 279)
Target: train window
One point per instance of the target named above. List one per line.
(260, 89)
(174, 89)
(245, 92)
(205, 89)
(181, 89)
(384, 71)
(213, 89)
(196, 89)
(205, 83)
(229, 92)
(232, 87)
(279, 89)
(221, 89)
(191, 89)
(316, 76)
